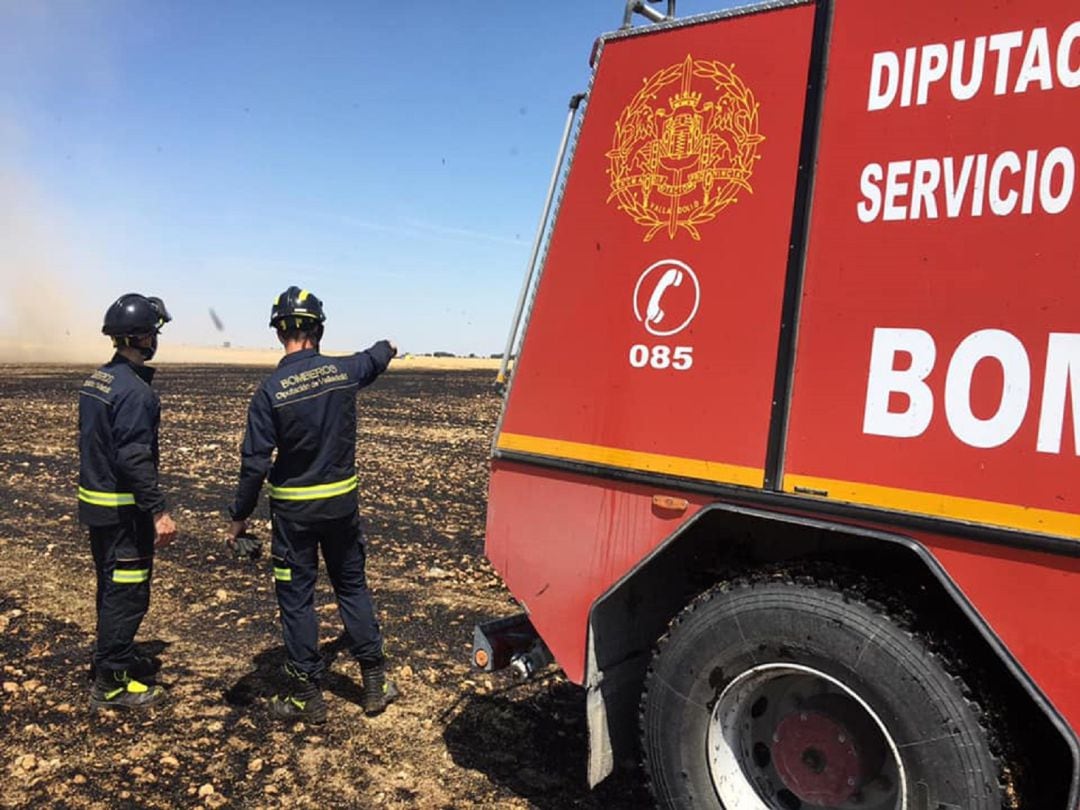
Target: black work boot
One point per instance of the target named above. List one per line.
(378, 692)
(304, 700)
(118, 690)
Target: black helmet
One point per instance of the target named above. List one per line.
(135, 314)
(293, 306)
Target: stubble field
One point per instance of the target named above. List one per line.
(457, 739)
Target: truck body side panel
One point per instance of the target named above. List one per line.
(652, 342)
(561, 539)
(937, 368)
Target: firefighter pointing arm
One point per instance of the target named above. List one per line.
(120, 499)
(306, 411)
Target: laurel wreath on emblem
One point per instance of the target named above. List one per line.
(636, 133)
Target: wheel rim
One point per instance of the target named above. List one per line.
(790, 737)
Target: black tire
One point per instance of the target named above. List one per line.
(752, 634)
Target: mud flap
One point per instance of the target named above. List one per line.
(611, 705)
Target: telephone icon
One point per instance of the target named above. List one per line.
(672, 278)
(666, 316)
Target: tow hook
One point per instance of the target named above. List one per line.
(526, 664)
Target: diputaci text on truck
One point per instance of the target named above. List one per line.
(788, 472)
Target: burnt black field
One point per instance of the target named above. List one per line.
(458, 738)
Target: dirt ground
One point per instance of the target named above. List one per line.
(458, 738)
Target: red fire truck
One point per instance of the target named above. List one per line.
(788, 473)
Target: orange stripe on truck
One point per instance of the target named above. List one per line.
(990, 513)
(633, 460)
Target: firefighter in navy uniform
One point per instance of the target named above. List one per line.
(120, 499)
(306, 410)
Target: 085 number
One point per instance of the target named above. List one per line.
(679, 358)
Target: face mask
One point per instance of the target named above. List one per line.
(148, 352)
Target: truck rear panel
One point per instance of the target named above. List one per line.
(710, 109)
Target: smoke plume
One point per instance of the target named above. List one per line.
(41, 316)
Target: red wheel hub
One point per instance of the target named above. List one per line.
(816, 757)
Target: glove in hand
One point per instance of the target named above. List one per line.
(246, 547)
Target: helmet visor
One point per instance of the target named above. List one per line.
(163, 314)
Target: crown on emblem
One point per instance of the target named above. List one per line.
(686, 98)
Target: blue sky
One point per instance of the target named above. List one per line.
(391, 157)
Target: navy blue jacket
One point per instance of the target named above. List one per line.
(119, 415)
(306, 410)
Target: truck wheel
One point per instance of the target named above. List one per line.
(782, 695)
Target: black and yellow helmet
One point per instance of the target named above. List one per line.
(293, 307)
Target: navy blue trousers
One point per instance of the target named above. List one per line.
(295, 548)
(124, 559)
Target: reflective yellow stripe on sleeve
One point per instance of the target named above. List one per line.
(315, 492)
(106, 498)
(282, 574)
(130, 576)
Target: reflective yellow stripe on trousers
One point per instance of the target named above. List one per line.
(315, 492)
(130, 576)
(106, 498)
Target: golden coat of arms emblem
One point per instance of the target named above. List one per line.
(684, 147)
